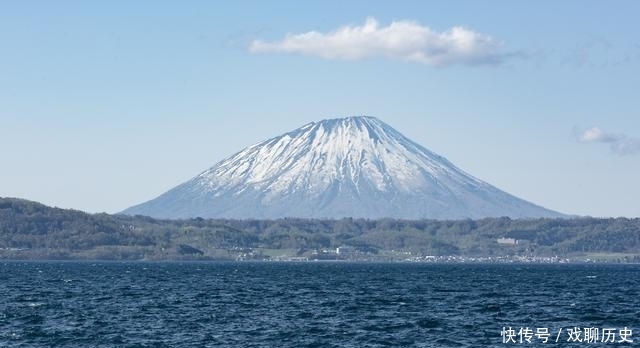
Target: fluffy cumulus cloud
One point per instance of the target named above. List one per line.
(403, 40)
(619, 143)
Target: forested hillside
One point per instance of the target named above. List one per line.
(30, 230)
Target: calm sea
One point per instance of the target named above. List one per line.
(69, 304)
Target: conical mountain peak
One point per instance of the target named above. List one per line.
(354, 166)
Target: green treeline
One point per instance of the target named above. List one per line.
(32, 230)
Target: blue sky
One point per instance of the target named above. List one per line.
(107, 104)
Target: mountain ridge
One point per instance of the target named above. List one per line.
(355, 166)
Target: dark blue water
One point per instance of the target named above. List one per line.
(310, 304)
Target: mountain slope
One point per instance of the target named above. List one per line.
(348, 167)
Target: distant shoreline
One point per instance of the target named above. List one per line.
(454, 261)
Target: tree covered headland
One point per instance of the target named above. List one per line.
(29, 230)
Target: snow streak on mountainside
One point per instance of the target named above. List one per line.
(348, 167)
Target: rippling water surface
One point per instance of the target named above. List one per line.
(63, 304)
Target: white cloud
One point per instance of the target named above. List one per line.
(597, 135)
(403, 40)
(619, 143)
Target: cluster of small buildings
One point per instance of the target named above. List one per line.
(488, 259)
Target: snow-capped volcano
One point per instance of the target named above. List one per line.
(346, 167)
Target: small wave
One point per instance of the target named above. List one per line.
(490, 308)
(429, 323)
(451, 290)
(447, 342)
